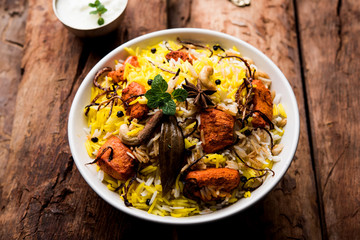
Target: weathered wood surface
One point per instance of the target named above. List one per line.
(330, 50)
(42, 194)
(12, 28)
(283, 209)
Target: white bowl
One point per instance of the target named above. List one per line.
(97, 31)
(77, 121)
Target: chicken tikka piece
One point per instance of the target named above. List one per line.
(113, 159)
(118, 75)
(219, 181)
(217, 128)
(184, 55)
(129, 94)
(262, 102)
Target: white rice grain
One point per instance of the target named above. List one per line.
(96, 133)
(108, 134)
(276, 137)
(230, 109)
(100, 175)
(132, 156)
(277, 128)
(139, 180)
(192, 70)
(149, 181)
(153, 197)
(176, 192)
(261, 159)
(95, 152)
(232, 165)
(277, 99)
(241, 152)
(157, 180)
(166, 208)
(256, 136)
(205, 211)
(144, 193)
(277, 149)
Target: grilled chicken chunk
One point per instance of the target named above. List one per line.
(115, 159)
(129, 94)
(185, 56)
(211, 184)
(217, 128)
(262, 102)
(118, 75)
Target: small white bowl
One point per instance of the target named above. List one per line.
(77, 121)
(95, 31)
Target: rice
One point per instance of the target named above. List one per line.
(253, 151)
(132, 156)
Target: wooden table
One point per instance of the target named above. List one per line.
(315, 44)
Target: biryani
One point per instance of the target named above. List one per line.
(183, 128)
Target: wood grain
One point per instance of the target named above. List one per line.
(11, 48)
(330, 43)
(45, 196)
(314, 43)
(291, 208)
(38, 161)
(12, 15)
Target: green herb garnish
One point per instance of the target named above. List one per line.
(158, 97)
(100, 9)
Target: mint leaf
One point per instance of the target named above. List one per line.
(165, 97)
(151, 94)
(180, 94)
(159, 84)
(100, 9)
(153, 98)
(169, 107)
(158, 97)
(153, 104)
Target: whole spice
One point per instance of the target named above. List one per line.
(201, 96)
(171, 153)
(217, 47)
(120, 114)
(188, 45)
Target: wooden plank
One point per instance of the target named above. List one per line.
(290, 210)
(37, 158)
(11, 48)
(45, 196)
(13, 16)
(330, 43)
(143, 17)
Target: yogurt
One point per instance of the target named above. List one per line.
(76, 13)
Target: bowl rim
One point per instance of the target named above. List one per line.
(198, 218)
(86, 29)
